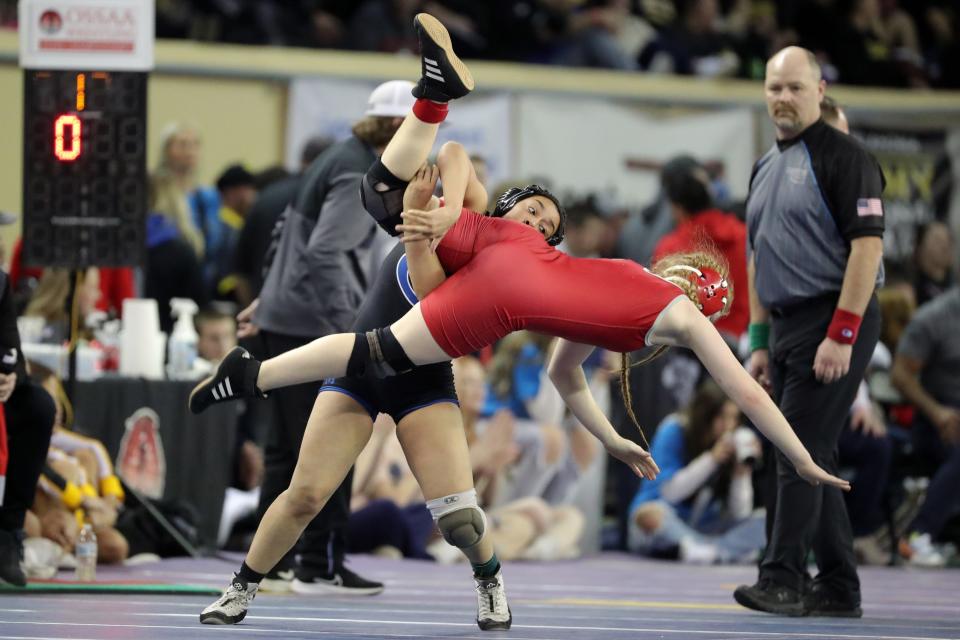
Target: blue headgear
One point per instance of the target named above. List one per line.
(513, 195)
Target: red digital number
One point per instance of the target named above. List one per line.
(66, 149)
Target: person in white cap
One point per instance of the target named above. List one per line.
(326, 252)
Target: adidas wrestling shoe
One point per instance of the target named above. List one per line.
(444, 76)
(493, 612)
(235, 378)
(232, 606)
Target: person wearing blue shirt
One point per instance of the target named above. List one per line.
(701, 503)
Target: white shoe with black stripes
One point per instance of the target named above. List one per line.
(231, 607)
(235, 378)
(493, 612)
(444, 76)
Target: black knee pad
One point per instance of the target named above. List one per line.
(382, 195)
(379, 353)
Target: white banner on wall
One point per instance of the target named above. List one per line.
(592, 144)
(322, 106)
(86, 34)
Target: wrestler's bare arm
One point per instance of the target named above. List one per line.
(566, 373)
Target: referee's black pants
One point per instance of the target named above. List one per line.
(813, 517)
(324, 541)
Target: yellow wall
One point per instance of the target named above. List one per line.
(239, 120)
(11, 153)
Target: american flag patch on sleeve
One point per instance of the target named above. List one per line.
(869, 207)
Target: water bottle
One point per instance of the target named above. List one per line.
(86, 553)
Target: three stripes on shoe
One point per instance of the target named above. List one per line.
(224, 388)
(432, 69)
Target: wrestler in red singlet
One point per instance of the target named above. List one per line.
(506, 278)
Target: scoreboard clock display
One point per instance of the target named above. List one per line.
(84, 168)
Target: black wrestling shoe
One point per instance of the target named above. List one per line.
(341, 582)
(235, 378)
(11, 553)
(444, 76)
(820, 601)
(770, 597)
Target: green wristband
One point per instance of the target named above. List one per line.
(759, 333)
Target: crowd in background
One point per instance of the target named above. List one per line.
(861, 42)
(897, 43)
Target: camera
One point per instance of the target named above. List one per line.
(746, 445)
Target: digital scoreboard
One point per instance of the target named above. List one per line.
(84, 131)
(84, 168)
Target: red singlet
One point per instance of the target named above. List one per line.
(505, 278)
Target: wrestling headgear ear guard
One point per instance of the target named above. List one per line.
(513, 195)
(713, 291)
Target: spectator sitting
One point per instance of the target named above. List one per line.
(384, 25)
(702, 500)
(593, 37)
(78, 484)
(866, 447)
(116, 283)
(51, 301)
(858, 49)
(526, 527)
(697, 221)
(933, 261)
(389, 516)
(216, 334)
(694, 46)
(926, 371)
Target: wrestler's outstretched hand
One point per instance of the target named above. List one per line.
(634, 456)
(812, 473)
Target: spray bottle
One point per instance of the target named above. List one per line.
(182, 348)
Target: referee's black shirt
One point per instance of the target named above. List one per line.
(809, 197)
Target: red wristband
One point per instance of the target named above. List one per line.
(430, 111)
(844, 327)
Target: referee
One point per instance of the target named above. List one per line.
(814, 248)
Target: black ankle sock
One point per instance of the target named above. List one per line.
(249, 574)
(487, 569)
